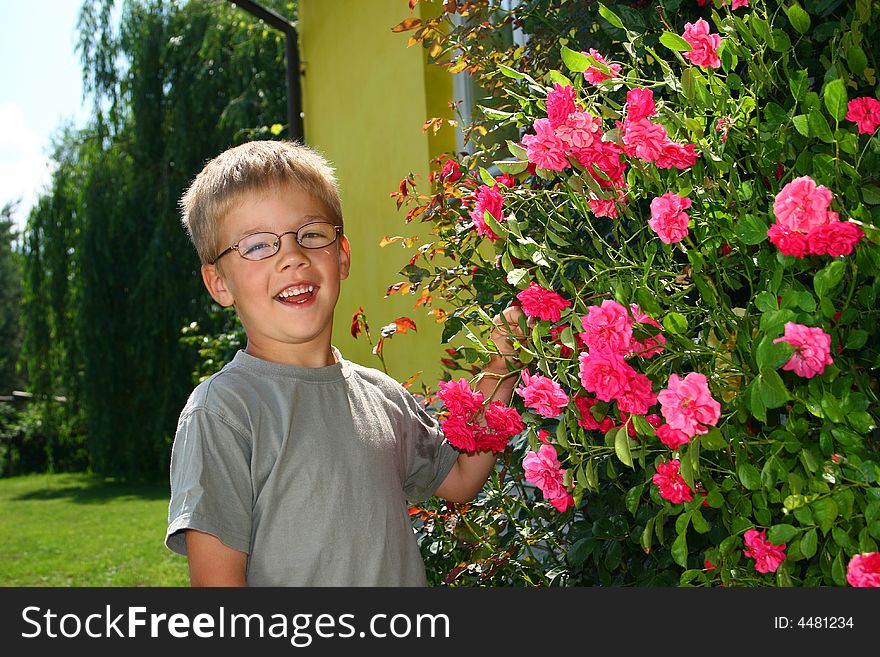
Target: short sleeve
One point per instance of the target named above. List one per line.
(429, 456)
(211, 488)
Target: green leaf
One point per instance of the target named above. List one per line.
(771, 355)
(647, 301)
(751, 229)
(856, 60)
(621, 447)
(779, 534)
(714, 440)
(699, 522)
(809, 543)
(824, 512)
(819, 126)
(835, 99)
(576, 62)
(511, 73)
(486, 177)
(518, 277)
(766, 301)
(799, 19)
(562, 434)
(633, 497)
(675, 42)
(802, 124)
(647, 537)
(517, 151)
(827, 278)
(798, 83)
(610, 16)
(675, 323)
(513, 167)
(871, 194)
(749, 475)
(756, 403)
(680, 550)
(773, 391)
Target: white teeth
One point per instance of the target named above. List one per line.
(294, 291)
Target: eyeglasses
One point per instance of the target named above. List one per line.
(259, 246)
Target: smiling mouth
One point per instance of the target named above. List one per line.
(297, 294)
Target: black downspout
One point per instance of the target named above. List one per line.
(294, 94)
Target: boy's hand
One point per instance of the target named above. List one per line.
(506, 327)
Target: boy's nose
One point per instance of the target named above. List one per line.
(290, 253)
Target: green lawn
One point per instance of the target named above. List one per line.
(77, 530)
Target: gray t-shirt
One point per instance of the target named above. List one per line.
(308, 471)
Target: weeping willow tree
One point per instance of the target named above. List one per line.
(109, 275)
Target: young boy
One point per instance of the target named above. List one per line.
(293, 466)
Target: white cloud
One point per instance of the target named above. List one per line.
(24, 168)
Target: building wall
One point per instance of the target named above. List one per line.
(366, 96)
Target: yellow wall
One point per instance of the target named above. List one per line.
(364, 104)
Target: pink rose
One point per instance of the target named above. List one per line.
(670, 482)
(672, 438)
(542, 303)
(605, 374)
(560, 103)
(502, 423)
(460, 433)
(802, 205)
(593, 75)
(789, 242)
(687, 404)
(577, 130)
(668, 218)
(705, 45)
(487, 199)
(602, 207)
(643, 139)
(459, 398)
(650, 346)
(545, 149)
(677, 156)
(812, 349)
(640, 104)
(607, 327)
(637, 396)
(451, 171)
(542, 468)
(864, 569)
(767, 556)
(542, 394)
(865, 112)
(606, 156)
(587, 420)
(838, 238)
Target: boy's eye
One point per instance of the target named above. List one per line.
(252, 245)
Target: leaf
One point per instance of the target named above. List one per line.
(856, 59)
(621, 446)
(824, 512)
(771, 355)
(633, 497)
(512, 167)
(407, 24)
(511, 73)
(517, 151)
(827, 278)
(773, 391)
(749, 475)
(646, 539)
(517, 277)
(835, 99)
(751, 229)
(799, 19)
(819, 126)
(610, 16)
(675, 323)
(680, 550)
(487, 178)
(783, 533)
(675, 42)
(808, 543)
(802, 124)
(576, 62)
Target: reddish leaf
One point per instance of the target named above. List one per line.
(412, 4)
(407, 24)
(404, 324)
(358, 323)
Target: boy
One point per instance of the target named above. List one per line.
(292, 466)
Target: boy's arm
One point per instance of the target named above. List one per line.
(211, 563)
(470, 471)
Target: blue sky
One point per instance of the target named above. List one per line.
(40, 89)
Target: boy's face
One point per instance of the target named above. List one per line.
(286, 301)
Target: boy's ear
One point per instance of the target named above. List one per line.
(344, 258)
(216, 285)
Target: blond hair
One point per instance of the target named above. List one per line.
(250, 167)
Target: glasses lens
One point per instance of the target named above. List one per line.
(258, 246)
(316, 235)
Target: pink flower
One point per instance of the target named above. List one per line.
(864, 569)
(459, 398)
(705, 45)
(767, 556)
(812, 349)
(735, 4)
(542, 303)
(607, 328)
(606, 207)
(560, 103)
(838, 238)
(789, 242)
(650, 346)
(593, 75)
(637, 396)
(643, 139)
(670, 482)
(460, 433)
(677, 156)
(542, 394)
(506, 179)
(640, 104)
(865, 112)
(587, 420)
(544, 148)
(502, 423)
(668, 218)
(687, 404)
(487, 199)
(451, 171)
(672, 438)
(542, 468)
(605, 374)
(577, 130)
(606, 156)
(802, 205)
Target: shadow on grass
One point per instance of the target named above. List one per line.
(86, 489)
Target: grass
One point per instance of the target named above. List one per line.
(79, 530)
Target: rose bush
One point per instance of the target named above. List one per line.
(687, 210)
